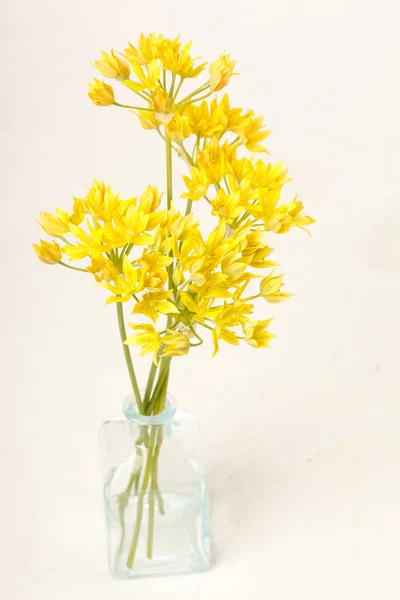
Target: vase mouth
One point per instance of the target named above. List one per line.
(132, 413)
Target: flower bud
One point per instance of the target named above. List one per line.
(48, 252)
(101, 93)
(112, 66)
(220, 72)
(52, 225)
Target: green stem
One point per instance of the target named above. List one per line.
(160, 500)
(198, 99)
(168, 151)
(64, 239)
(189, 158)
(192, 329)
(195, 147)
(128, 357)
(140, 501)
(198, 91)
(171, 91)
(164, 371)
(237, 139)
(188, 207)
(160, 134)
(149, 387)
(206, 326)
(154, 492)
(163, 393)
(73, 268)
(177, 90)
(123, 499)
(133, 107)
(143, 94)
(242, 218)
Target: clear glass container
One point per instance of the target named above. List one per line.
(155, 494)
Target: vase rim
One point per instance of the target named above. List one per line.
(132, 413)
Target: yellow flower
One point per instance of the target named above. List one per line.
(101, 93)
(298, 220)
(177, 343)
(204, 120)
(227, 318)
(52, 225)
(149, 200)
(234, 314)
(214, 160)
(257, 258)
(252, 133)
(148, 77)
(270, 176)
(231, 119)
(130, 228)
(128, 283)
(149, 49)
(150, 340)
(102, 269)
(256, 251)
(220, 72)
(200, 308)
(226, 206)
(153, 303)
(112, 66)
(220, 332)
(270, 289)
(155, 279)
(197, 184)
(177, 276)
(241, 169)
(177, 59)
(257, 336)
(48, 252)
(161, 103)
(178, 128)
(90, 243)
(153, 261)
(286, 216)
(147, 119)
(59, 225)
(101, 202)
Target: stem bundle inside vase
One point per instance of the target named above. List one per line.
(150, 251)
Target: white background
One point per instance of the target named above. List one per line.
(301, 443)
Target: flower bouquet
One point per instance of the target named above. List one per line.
(178, 283)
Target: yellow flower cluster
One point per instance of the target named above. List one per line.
(158, 258)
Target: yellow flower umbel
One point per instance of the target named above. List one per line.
(149, 252)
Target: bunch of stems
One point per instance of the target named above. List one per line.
(144, 477)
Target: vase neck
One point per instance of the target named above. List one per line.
(132, 413)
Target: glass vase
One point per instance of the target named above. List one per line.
(155, 494)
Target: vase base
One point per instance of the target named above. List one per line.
(180, 545)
